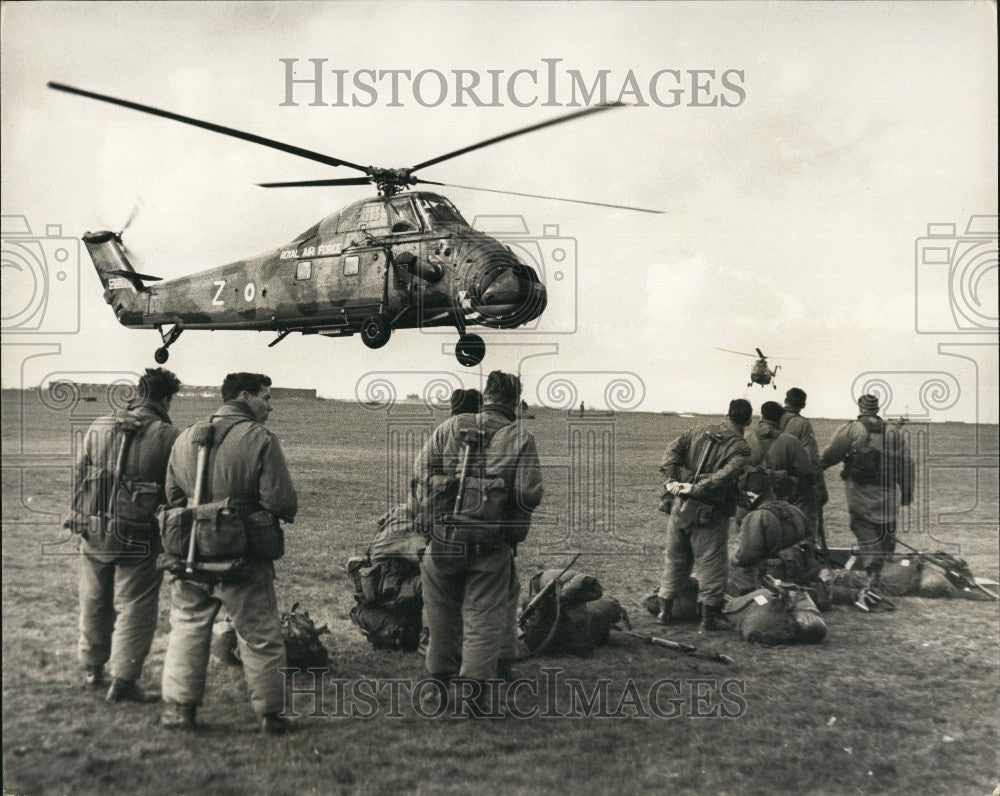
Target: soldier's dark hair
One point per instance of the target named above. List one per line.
(502, 388)
(772, 412)
(740, 411)
(464, 402)
(795, 398)
(236, 383)
(158, 384)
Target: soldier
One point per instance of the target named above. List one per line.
(249, 467)
(782, 457)
(119, 479)
(468, 598)
(702, 468)
(876, 462)
(810, 502)
(465, 402)
(771, 525)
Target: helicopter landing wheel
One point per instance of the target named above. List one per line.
(470, 350)
(774, 386)
(376, 331)
(161, 355)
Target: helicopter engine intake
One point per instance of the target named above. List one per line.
(496, 289)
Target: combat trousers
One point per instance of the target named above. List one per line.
(253, 608)
(876, 539)
(118, 611)
(470, 615)
(700, 545)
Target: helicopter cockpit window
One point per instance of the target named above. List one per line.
(304, 270)
(374, 219)
(401, 212)
(440, 211)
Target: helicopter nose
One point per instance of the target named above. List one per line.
(505, 293)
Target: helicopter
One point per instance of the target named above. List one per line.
(760, 373)
(403, 259)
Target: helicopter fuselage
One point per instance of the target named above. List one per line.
(410, 259)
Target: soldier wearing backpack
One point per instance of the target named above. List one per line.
(810, 502)
(781, 457)
(247, 467)
(481, 480)
(702, 468)
(771, 525)
(119, 482)
(878, 474)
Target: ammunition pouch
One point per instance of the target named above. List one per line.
(128, 531)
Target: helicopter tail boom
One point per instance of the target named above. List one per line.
(123, 287)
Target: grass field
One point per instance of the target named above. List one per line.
(903, 702)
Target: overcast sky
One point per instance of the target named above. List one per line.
(791, 222)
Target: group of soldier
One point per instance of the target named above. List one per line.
(477, 481)
(771, 479)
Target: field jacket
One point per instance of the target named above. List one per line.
(511, 454)
(799, 427)
(145, 463)
(772, 526)
(722, 469)
(249, 466)
(779, 451)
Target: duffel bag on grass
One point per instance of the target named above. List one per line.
(763, 618)
(934, 583)
(685, 603)
(900, 576)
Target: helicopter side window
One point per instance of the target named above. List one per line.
(304, 270)
(374, 218)
(351, 264)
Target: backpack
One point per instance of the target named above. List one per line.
(388, 599)
(573, 619)
(874, 461)
(788, 617)
(115, 514)
(301, 636)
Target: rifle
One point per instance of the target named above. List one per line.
(549, 587)
(868, 599)
(962, 580)
(676, 646)
(820, 528)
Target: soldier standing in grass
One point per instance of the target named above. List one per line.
(810, 501)
(248, 467)
(702, 468)
(876, 464)
(782, 457)
(119, 479)
(468, 596)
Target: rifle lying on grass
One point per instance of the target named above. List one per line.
(955, 569)
(676, 646)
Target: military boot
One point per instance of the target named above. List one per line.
(712, 619)
(93, 676)
(273, 724)
(665, 617)
(129, 691)
(435, 700)
(179, 717)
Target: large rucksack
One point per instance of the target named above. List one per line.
(116, 514)
(388, 601)
(572, 619)
(878, 459)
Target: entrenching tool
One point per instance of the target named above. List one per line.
(203, 437)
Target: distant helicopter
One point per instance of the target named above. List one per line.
(760, 373)
(401, 260)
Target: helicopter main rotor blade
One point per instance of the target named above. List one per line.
(215, 128)
(741, 353)
(316, 183)
(531, 128)
(541, 196)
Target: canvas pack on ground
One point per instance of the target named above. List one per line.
(685, 608)
(573, 618)
(207, 541)
(900, 576)
(762, 617)
(388, 601)
(115, 514)
(303, 647)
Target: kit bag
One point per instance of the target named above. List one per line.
(763, 618)
(685, 608)
(573, 619)
(900, 576)
(388, 601)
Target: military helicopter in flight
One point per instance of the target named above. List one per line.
(401, 260)
(760, 373)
